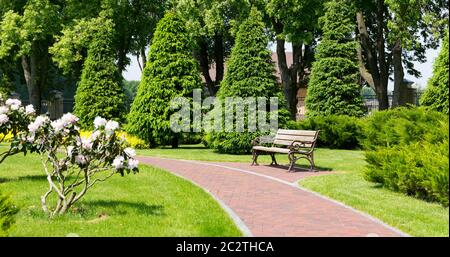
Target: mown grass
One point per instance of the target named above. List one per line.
(150, 203)
(347, 185)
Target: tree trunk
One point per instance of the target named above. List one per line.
(29, 71)
(383, 62)
(219, 60)
(375, 63)
(202, 56)
(175, 140)
(289, 88)
(143, 57)
(121, 60)
(399, 86)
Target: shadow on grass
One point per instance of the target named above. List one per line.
(22, 178)
(302, 168)
(122, 207)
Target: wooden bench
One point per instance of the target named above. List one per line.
(296, 144)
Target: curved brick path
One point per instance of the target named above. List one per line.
(268, 201)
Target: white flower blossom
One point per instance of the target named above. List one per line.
(86, 143)
(80, 159)
(99, 122)
(69, 118)
(111, 126)
(118, 162)
(36, 124)
(70, 150)
(95, 135)
(30, 139)
(29, 109)
(130, 152)
(11, 102)
(4, 109)
(58, 125)
(15, 107)
(133, 163)
(3, 119)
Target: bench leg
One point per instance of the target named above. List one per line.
(291, 162)
(255, 157)
(311, 161)
(274, 160)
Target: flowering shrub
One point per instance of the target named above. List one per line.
(13, 118)
(133, 141)
(74, 163)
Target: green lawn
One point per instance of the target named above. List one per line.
(413, 216)
(150, 203)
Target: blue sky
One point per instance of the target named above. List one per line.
(134, 73)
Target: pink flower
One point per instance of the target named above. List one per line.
(132, 164)
(99, 122)
(3, 119)
(29, 109)
(80, 159)
(118, 162)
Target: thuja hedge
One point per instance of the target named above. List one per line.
(407, 151)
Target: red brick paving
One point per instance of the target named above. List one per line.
(271, 207)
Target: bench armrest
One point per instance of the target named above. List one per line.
(296, 145)
(263, 140)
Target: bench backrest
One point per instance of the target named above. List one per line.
(286, 137)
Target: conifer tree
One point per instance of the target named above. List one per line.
(334, 88)
(171, 71)
(100, 90)
(250, 73)
(436, 94)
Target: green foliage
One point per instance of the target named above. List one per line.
(334, 88)
(71, 45)
(100, 91)
(130, 88)
(418, 169)
(399, 126)
(250, 73)
(336, 131)
(171, 71)
(436, 94)
(407, 151)
(38, 22)
(298, 17)
(7, 212)
(6, 86)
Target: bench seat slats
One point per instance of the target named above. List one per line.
(292, 138)
(287, 143)
(271, 149)
(296, 132)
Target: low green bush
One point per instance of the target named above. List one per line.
(231, 143)
(7, 212)
(407, 151)
(400, 126)
(336, 131)
(191, 138)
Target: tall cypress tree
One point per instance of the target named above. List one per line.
(436, 94)
(250, 73)
(171, 71)
(334, 88)
(100, 91)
